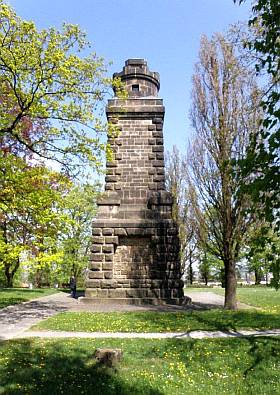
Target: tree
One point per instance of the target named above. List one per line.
(183, 213)
(263, 156)
(223, 114)
(45, 83)
(28, 198)
(80, 208)
(263, 253)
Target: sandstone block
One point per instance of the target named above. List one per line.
(96, 231)
(111, 240)
(93, 283)
(109, 284)
(96, 248)
(95, 265)
(107, 265)
(116, 293)
(98, 240)
(102, 293)
(96, 275)
(108, 248)
(109, 257)
(108, 231)
(120, 232)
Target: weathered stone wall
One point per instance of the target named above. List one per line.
(135, 245)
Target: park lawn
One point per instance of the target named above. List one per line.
(150, 321)
(10, 296)
(149, 367)
(267, 298)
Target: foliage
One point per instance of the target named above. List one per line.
(263, 252)
(11, 296)
(261, 166)
(80, 208)
(28, 217)
(223, 114)
(50, 94)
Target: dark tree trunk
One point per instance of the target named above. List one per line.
(9, 279)
(230, 285)
(190, 274)
(258, 276)
(205, 279)
(190, 269)
(9, 274)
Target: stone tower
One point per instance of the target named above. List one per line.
(135, 245)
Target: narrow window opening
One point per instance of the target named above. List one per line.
(135, 88)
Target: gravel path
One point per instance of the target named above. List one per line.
(165, 335)
(209, 300)
(15, 320)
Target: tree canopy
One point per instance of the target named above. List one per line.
(261, 167)
(50, 93)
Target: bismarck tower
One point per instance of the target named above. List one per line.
(135, 246)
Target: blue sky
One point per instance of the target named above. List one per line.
(164, 32)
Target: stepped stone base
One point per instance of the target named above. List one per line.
(136, 301)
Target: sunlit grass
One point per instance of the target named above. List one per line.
(149, 367)
(160, 321)
(11, 296)
(265, 297)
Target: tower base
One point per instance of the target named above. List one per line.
(135, 301)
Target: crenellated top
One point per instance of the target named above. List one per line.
(139, 81)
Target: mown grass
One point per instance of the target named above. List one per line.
(11, 296)
(150, 321)
(149, 367)
(266, 298)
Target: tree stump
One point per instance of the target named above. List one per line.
(109, 357)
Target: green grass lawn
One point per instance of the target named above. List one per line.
(160, 321)
(149, 367)
(10, 296)
(265, 297)
(217, 319)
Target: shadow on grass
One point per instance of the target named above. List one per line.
(57, 368)
(258, 356)
(11, 296)
(212, 320)
(224, 320)
(262, 350)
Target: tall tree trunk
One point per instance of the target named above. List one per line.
(9, 274)
(258, 276)
(191, 273)
(190, 268)
(9, 278)
(230, 285)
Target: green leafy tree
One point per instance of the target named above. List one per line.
(261, 167)
(46, 83)
(28, 198)
(80, 209)
(263, 253)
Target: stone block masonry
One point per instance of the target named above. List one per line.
(135, 246)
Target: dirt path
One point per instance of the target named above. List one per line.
(209, 300)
